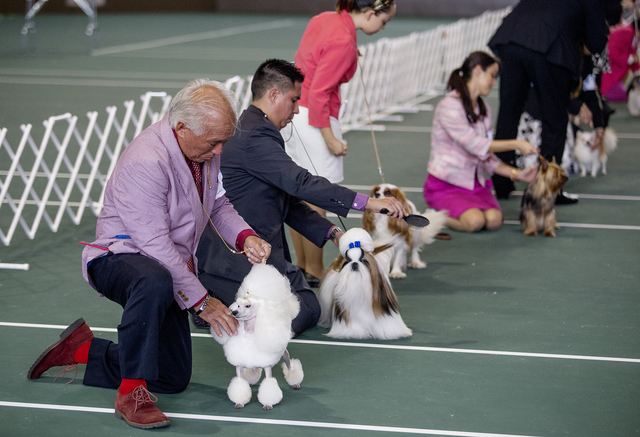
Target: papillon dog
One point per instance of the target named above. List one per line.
(538, 210)
(356, 298)
(592, 160)
(385, 231)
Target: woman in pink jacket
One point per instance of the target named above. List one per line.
(328, 57)
(462, 150)
(623, 57)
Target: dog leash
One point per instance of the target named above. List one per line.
(293, 127)
(373, 136)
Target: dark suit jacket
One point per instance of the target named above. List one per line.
(266, 187)
(555, 28)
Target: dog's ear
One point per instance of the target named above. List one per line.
(372, 193)
(367, 221)
(544, 164)
(384, 299)
(399, 195)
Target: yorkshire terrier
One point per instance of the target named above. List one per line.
(537, 210)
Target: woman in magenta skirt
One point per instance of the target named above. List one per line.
(463, 150)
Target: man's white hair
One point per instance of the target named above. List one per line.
(196, 109)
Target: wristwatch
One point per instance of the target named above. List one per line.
(197, 312)
(334, 232)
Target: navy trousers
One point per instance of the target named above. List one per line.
(154, 339)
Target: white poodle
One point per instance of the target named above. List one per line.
(265, 307)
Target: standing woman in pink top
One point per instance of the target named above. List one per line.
(328, 57)
(463, 150)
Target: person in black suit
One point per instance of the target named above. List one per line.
(540, 44)
(268, 190)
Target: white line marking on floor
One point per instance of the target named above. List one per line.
(585, 226)
(59, 81)
(367, 188)
(145, 75)
(427, 129)
(379, 346)
(253, 420)
(249, 28)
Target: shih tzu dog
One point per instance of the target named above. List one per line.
(386, 230)
(538, 210)
(355, 294)
(592, 160)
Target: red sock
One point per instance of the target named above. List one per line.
(127, 385)
(82, 354)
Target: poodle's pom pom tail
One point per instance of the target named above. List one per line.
(252, 375)
(239, 392)
(437, 222)
(295, 374)
(269, 393)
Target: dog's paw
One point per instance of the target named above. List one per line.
(239, 392)
(295, 375)
(397, 274)
(418, 265)
(269, 393)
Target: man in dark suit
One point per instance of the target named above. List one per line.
(540, 43)
(268, 190)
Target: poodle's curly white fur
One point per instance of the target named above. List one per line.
(265, 308)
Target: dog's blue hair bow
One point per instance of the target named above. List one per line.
(354, 244)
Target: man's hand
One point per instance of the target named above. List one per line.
(393, 205)
(597, 142)
(219, 316)
(256, 249)
(526, 148)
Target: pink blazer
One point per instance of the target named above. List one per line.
(152, 198)
(459, 150)
(328, 57)
(621, 45)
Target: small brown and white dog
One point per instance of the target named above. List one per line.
(385, 231)
(356, 298)
(592, 160)
(538, 210)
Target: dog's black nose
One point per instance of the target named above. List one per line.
(235, 313)
(354, 267)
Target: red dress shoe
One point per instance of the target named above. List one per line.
(138, 409)
(61, 352)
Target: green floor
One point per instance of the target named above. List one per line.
(513, 335)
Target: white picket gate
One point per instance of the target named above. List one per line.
(67, 170)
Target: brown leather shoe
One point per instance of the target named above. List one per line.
(138, 409)
(61, 352)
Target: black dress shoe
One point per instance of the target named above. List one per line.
(565, 198)
(312, 280)
(199, 322)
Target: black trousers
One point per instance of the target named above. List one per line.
(523, 72)
(154, 340)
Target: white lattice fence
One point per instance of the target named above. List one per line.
(397, 70)
(67, 169)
